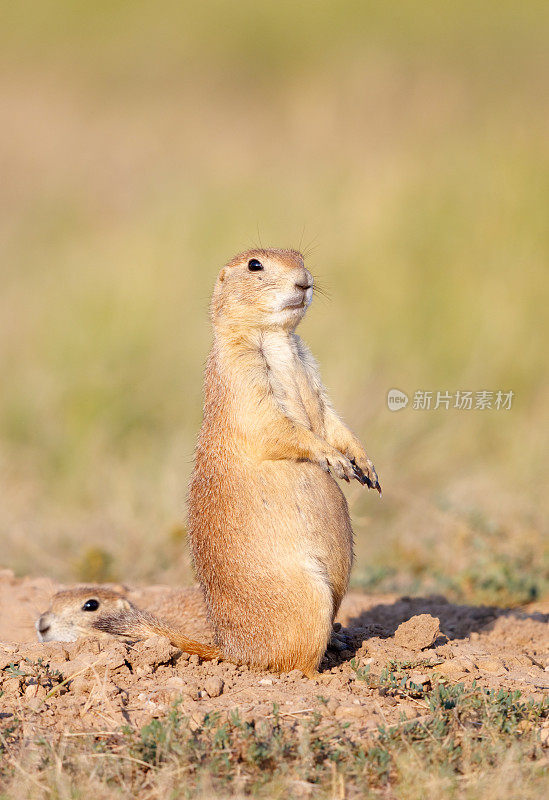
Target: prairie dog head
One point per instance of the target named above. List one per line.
(263, 289)
(74, 612)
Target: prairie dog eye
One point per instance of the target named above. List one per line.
(90, 605)
(254, 265)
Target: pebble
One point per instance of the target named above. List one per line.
(420, 678)
(419, 632)
(11, 686)
(87, 646)
(214, 686)
(193, 691)
(83, 683)
(453, 669)
(175, 682)
(490, 664)
(34, 690)
(344, 712)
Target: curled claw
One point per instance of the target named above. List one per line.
(359, 475)
(364, 479)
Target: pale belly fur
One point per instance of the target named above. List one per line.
(295, 530)
(305, 512)
(273, 552)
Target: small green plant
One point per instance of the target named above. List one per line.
(393, 678)
(38, 671)
(464, 733)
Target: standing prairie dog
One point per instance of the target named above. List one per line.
(269, 527)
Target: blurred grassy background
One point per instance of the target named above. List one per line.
(144, 143)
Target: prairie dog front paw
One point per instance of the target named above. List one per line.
(332, 460)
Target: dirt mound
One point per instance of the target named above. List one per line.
(100, 684)
(418, 633)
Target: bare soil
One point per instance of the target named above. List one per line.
(100, 684)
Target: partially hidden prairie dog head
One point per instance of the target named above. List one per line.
(74, 613)
(265, 288)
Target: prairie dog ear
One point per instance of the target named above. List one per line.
(123, 604)
(222, 274)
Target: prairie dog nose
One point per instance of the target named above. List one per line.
(42, 624)
(305, 280)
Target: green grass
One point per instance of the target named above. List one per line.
(145, 145)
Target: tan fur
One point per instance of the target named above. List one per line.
(269, 527)
(66, 620)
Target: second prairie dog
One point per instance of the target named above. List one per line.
(269, 527)
(99, 611)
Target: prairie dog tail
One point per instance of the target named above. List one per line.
(132, 622)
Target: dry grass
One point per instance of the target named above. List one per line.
(466, 744)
